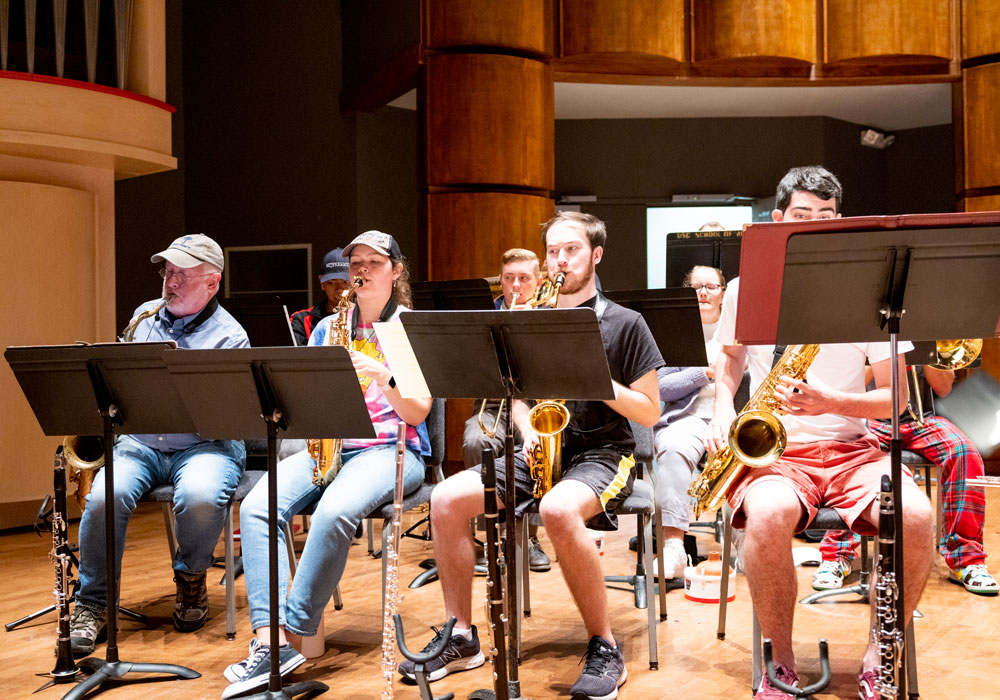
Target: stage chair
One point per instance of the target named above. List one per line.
(433, 473)
(640, 503)
(826, 519)
(164, 495)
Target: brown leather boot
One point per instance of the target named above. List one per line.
(191, 606)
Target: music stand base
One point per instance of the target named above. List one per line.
(313, 688)
(116, 670)
(859, 589)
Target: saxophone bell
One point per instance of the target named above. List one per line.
(548, 419)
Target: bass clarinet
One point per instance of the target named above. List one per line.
(887, 634)
(494, 589)
(65, 669)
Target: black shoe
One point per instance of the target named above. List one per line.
(633, 543)
(86, 629)
(191, 605)
(603, 673)
(459, 654)
(255, 670)
(538, 560)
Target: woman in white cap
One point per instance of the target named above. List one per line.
(365, 480)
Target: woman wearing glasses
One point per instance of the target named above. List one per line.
(688, 396)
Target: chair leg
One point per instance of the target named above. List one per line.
(524, 585)
(168, 523)
(912, 690)
(290, 546)
(727, 545)
(338, 602)
(647, 528)
(757, 654)
(230, 575)
(662, 587)
(371, 537)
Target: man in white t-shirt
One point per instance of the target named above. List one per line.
(831, 459)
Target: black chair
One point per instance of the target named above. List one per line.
(435, 422)
(826, 519)
(640, 503)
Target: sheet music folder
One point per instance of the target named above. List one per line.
(555, 353)
(673, 319)
(57, 385)
(452, 295)
(847, 271)
(316, 387)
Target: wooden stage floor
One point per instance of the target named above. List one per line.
(957, 639)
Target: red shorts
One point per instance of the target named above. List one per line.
(845, 476)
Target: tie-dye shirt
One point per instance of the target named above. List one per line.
(384, 417)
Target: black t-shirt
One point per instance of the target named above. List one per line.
(631, 352)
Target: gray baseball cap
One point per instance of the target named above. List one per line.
(189, 251)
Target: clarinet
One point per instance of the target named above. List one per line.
(887, 633)
(494, 590)
(65, 669)
(391, 554)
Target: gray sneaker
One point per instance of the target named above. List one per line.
(255, 670)
(86, 628)
(459, 654)
(603, 673)
(538, 560)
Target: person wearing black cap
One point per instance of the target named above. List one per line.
(333, 280)
(366, 477)
(204, 473)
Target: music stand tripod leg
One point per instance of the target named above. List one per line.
(111, 668)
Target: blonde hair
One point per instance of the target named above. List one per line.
(717, 271)
(520, 255)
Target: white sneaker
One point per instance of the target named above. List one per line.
(830, 575)
(675, 558)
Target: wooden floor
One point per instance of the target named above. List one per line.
(957, 639)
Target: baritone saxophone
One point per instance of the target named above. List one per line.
(756, 438)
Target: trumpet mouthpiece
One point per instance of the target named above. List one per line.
(560, 278)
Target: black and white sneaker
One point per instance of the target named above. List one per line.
(459, 654)
(603, 673)
(255, 670)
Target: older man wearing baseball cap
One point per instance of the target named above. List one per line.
(204, 473)
(333, 279)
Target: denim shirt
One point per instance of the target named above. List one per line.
(220, 330)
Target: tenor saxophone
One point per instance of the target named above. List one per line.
(326, 451)
(756, 438)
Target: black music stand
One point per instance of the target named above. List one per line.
(859, 278)
(498, 354)
(450, 295)
(133, 394)
(453, 295)
(252, 392)
(673, 319)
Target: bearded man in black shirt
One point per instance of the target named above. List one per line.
(597, 471)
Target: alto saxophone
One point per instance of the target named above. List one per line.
(756, 437)
(326, 451)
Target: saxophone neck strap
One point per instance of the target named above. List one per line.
(387, 311)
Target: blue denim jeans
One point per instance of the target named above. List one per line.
(364, 482)
(204, 477)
